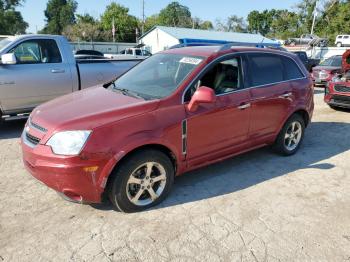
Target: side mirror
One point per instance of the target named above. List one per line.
(203, 95)
(8, 59)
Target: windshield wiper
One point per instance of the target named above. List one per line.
(127, 92)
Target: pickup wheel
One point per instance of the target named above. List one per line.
(292, 43)
(339, 44)
(141, 181)
(291, 136)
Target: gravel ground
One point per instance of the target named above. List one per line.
(255, 207)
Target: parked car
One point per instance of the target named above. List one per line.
(131, 53)
(326, 70)
(337, 94)
(179, 110)
(38, 68)
(308, 62)
(342, 40)
(88, 54)
(307, 39)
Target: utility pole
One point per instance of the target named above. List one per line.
(314, 19)
(143, 17)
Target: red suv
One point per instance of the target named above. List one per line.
(176, 111)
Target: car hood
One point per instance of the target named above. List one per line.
(88, 109)
(328, 68)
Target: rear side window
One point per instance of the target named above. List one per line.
(291, 69)
(37, 52)
(265, 69)
(346, 37)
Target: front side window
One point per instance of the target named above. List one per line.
(265, 69)
(158, 76)
(224, 77)
(37, 52)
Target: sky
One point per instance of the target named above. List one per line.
(33, 10)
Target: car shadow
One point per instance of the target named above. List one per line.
(11, 129)
(252, 168)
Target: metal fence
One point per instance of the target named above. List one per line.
(104, 47)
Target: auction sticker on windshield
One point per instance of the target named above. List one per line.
(191, 60)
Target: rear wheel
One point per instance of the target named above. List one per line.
(143, 180)
(291, 136)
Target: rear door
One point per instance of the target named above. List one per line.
(39, 75)
(271, 93)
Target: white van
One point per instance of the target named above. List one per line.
(342, 40)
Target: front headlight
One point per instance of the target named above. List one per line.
(68, 143)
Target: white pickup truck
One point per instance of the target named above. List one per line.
(38, 68)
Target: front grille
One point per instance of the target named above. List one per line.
(36, 126)
(32, 139)
(343, 89)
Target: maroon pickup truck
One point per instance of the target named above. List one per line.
(337, 94)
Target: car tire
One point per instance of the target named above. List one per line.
(334, 107)
(141, 181)
(291, 136)
(339, 44)
(292, 43)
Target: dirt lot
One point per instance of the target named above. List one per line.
(254, 207)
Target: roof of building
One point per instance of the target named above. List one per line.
(191, 35)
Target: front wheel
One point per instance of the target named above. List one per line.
(291, 136)
(143, 180)
(339, 44)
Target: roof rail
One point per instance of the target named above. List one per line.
(228, 46)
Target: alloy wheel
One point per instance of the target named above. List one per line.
(146, 183)
(293, 136)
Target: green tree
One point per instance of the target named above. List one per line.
(59, 14)
(197, 23)
(87, 28)
(151, 21)
(125, 24)
(176, 15)
(11, 21)
(232, 24)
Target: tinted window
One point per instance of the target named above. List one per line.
(291, 69)
(37, 51)
(265, 69)
(346, 37)
(138, 52)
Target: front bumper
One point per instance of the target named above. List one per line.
(337, 100)
(71, 176)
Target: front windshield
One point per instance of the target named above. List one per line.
(158, 76)
(332, 61)
(4, 42)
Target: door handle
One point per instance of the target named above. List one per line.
(57, 71)
(244, 106)
(286, 95)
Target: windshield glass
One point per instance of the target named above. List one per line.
(4, 42)
(332, 61)
(158, 76)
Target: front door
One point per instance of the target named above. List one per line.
(39, 75)
(216, 129)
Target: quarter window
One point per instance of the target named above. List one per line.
(37, 52)
(265, 69)
(291, 69)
